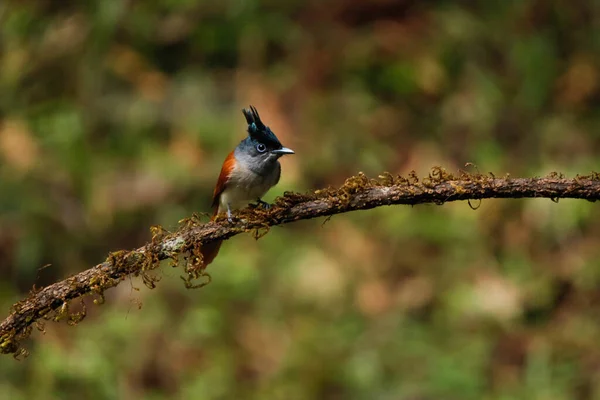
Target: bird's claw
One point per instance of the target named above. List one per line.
(263, 204)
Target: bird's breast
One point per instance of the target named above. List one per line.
(245, 186)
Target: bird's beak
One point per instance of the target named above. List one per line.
(282, 151)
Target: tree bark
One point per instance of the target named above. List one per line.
(182, 246)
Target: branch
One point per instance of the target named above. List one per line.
(182, 246)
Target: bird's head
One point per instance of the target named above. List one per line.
(261, 145)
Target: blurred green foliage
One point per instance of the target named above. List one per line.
(116, 115)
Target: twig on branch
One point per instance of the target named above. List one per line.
(357, 193)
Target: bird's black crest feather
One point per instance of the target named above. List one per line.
(259, 131)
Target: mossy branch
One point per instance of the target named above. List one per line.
(182, 247)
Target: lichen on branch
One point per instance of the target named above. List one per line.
(182, 247)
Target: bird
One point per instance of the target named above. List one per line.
(248, 172)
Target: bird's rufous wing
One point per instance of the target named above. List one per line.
(226, 170)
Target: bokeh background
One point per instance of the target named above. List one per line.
(116, 116)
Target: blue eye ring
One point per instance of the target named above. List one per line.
(261, 148)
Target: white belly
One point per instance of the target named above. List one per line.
(238, 197)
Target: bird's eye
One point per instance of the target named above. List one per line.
(261, 148)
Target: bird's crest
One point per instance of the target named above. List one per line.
(259, 131)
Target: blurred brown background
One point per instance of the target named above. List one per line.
(117, 115)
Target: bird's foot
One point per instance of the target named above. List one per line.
(263, 204)
(229, 218)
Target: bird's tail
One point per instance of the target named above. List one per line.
(210, 250)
